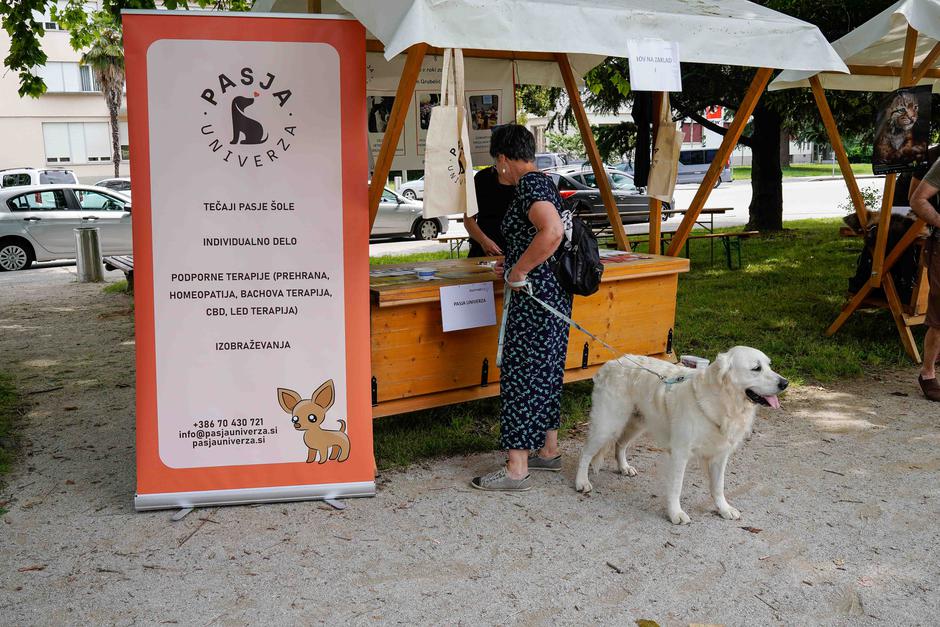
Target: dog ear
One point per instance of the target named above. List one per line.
(324, 396)
(723, 365)
(288, 399)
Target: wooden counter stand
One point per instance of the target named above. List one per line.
(415, 365)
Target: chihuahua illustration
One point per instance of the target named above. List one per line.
(308, 415)
(244, 125)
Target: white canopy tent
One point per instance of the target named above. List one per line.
(874, 51)
(553, 42)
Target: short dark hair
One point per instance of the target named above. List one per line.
(513, 141)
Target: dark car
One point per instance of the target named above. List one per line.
(578, 189)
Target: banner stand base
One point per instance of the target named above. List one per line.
(183, 513)
(244, 496)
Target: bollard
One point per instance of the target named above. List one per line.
(88, 255)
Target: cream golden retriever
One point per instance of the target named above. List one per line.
(707, 415)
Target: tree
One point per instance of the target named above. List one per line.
(96, 33)
(105, 56)
(777, 114)
(18, 19)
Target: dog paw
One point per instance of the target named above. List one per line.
(583, 485)
(729, 513)
(679, 518)
(628, 470)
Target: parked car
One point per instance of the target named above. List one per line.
(413, 190)
(121, 184)
(19, 177)
(547, 160)
(578, 188)
(398, 217)
(37, 222)
(694, 163)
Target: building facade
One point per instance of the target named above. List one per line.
(67, 127)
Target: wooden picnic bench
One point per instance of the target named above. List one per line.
(454, 242)
(124, 263)
(730, 241)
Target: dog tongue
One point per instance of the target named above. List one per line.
(773, 400)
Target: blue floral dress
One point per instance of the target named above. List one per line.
(536, 342)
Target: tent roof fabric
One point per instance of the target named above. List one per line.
(878, 42)
(728, 32)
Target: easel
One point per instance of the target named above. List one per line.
(912, 314)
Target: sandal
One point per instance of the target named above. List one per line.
(500, 481)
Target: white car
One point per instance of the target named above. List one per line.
(19, 177)
(413, 190)
(37, 223)
(397, 217)
(120, 184)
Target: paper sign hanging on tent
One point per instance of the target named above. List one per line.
(654, 65)
(467, 306)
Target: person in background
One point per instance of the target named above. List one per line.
(536, 341)
(923, 199)
(493, 198)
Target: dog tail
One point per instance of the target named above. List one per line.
(342, 426)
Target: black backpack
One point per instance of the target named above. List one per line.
(577, 262)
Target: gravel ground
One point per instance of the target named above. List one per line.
(838, 491)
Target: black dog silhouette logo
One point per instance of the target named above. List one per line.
(260, 116)
(243, 126)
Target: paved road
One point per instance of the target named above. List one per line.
(802, 198)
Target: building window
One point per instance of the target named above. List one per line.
(88, 78)
(68, 77)
(77, 142)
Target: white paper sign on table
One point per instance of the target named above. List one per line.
(654, 65)
(467, 306)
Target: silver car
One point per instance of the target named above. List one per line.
(398, 217)
(37, 222)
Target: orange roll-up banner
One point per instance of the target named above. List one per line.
(251, 258)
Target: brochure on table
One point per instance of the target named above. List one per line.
(251, 254)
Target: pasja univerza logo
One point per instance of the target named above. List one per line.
(247, 121)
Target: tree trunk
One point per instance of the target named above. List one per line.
(113, 109)
(766, 209)
(784, 147)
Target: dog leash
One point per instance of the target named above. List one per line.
(527, 289)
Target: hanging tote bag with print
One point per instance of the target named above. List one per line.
(448, 170)
(664, 167)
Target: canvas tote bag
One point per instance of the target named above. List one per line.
(448, 169)
(664, 166)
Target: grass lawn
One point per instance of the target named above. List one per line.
(790, 290)
(804, 170)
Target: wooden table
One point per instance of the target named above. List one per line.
(415, 365)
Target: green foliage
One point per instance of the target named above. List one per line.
(568, 144)
(536, 100)
(615, 141)
(118, 287)
(871, 195)
(84, 26)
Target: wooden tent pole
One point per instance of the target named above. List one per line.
(656, 205)
(396, 121)
(590, 146)
(926, 64)
(887, 200)
(741, 116)
(836, 140)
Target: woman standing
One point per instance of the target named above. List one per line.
(536, 341)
